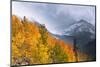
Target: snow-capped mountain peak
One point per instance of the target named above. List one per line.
(80, 26)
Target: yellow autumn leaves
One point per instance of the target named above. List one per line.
(33, 44)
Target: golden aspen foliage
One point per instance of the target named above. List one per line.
(33, 44)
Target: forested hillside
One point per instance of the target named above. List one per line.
(33, 44)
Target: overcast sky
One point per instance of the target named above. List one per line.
(56, 17)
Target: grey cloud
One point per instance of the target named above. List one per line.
(55, 17)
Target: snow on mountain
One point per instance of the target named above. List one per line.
(80, 26)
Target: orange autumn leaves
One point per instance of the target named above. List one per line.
(33, 44)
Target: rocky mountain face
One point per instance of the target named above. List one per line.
(84, 33)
